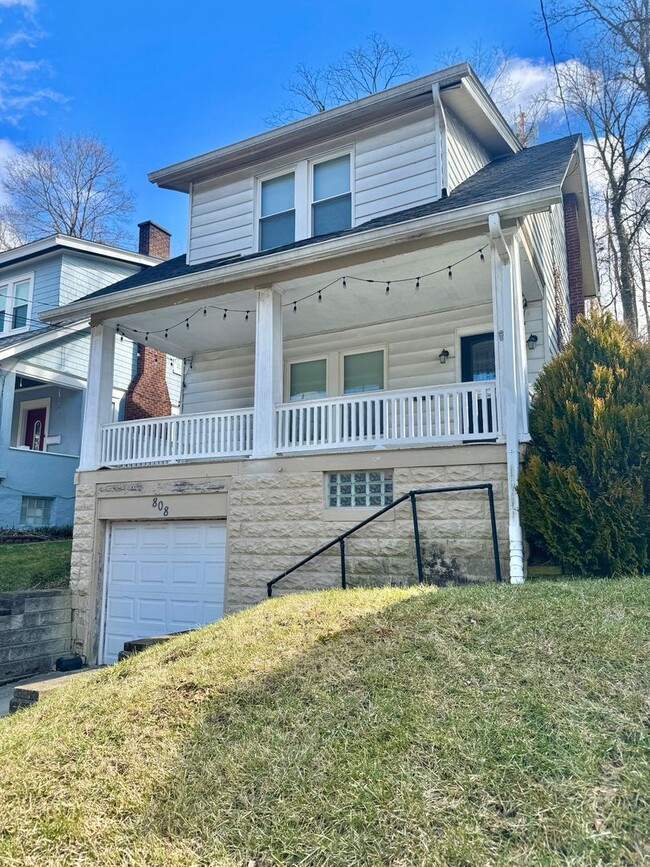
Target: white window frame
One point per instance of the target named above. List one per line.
(324, 356)
(43, 500)
(303, 171)
(25, 406)
(335, 360)
(8, 291)
(325, 158)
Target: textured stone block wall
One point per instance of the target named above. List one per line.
(277, 519)
(35, 628)
(84, 570)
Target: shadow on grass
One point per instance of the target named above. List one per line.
(447, 728)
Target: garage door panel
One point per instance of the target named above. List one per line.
(162, 577)
(121, 608)
(153, 573)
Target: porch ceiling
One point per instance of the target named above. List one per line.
(358, 303)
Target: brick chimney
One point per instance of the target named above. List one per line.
(147, 395)
(573, 256)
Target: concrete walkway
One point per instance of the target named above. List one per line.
(36, 685)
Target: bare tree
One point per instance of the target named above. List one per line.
(71, 186)
(608, 93)
(365, 69)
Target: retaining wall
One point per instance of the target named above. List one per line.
(35, 628)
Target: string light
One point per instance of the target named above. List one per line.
(318, 294)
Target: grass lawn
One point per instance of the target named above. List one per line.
(31, 565)
(486, 725)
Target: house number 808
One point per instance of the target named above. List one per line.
(158, 504)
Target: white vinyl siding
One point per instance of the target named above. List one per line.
(393, 167)
(546, 233)
(221, 219)
(465, 154)
(223, 380)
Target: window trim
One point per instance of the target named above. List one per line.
(303, 171)
(44, 500)
(325, 158)
(7, 289)
(335, 360)
(25, 405)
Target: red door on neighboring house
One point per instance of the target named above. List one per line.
(35, 428)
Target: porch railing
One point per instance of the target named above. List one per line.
(442, 414)
(178, 438)
(457, 413)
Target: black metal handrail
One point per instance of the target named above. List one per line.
(412, 496)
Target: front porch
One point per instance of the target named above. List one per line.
(380, 353)
(461, 412)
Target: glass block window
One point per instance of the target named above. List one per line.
(359, 489)
(36, 511)
(278, 212)
(332, 202)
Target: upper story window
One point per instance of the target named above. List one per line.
(363, 371)
(332, 199)
(15, 303)
(312, 199)
(278, 211)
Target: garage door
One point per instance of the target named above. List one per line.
(161, 577)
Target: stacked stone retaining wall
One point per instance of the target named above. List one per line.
(35, 628)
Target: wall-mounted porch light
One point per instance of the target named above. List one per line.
(531, 342)
(444, 355)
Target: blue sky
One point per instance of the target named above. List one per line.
(162, 81)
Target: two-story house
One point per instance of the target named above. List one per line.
(43, 369)
(367, 297)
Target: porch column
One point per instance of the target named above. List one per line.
(268, 370)
(99, 394)
(504, 287)
(520, 340)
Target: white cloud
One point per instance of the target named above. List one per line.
(26, 4)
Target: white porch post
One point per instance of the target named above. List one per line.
(504, 286)
(99, 394)
(520, 339)
(268, 370)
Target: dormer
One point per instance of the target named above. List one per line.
(334, 171)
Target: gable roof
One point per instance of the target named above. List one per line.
(459, 86)
(52, 243)
(534, 168)
(17, 344)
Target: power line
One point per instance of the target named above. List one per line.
(557, 74)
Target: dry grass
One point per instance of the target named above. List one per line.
(31, 565)
(487, 725)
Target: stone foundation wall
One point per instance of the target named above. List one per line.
(274, 520)
(34, 630)
(276, 515)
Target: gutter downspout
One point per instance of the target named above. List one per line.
(504, 283)
(441, 142)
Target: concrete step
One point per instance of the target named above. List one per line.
(28, 693)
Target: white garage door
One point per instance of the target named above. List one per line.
(161, 577)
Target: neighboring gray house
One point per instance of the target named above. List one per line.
(43, 370)
(367, 298)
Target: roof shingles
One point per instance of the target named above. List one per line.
(531, 169)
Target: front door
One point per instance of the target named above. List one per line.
(35, 428)
(478, 365)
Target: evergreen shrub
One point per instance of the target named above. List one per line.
(586, 479)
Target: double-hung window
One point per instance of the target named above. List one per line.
(308, 379)
(331, 208)
(313, 198)
(15, 303)
(278, 212)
